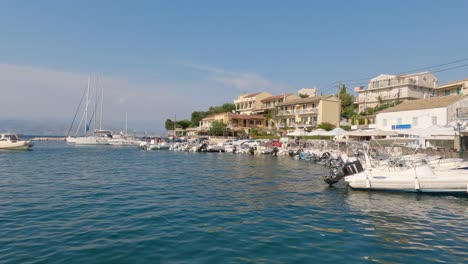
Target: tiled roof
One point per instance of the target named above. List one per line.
(251, 95)
(453, 83)
(305, 100)
(428, 103)
(274, 97)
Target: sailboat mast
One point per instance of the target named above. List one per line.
(102, 101)
(126, 126)
(95, 103)
(86, 109)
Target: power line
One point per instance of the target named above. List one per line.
(410, 71)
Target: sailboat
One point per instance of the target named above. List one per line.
(99, 136)
(124, 139)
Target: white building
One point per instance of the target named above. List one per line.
(311, 92)
(388, 88)
(422, 113)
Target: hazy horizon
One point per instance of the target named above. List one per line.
(157, 59)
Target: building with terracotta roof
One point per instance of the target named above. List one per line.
(308, 112)
(251, 103)
(389, 88)
(235, 123)
(452, 88)
(423, 113)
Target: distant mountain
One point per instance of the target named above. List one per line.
(34, 127)
(60, 128)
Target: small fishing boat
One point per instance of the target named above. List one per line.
(11, 141)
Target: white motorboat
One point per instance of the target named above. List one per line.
(155, 145)
(124, 140)
(11, 141)
(416, 178)
(408, 173)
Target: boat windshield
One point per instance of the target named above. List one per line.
(11, 137)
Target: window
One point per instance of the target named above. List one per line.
(384, 122)
(458, 90)
(259, 122)
(447, 92)
(399, 121)
(415, 121)
(434, 120)
(304, 106)
(251, 122)
(304, 120)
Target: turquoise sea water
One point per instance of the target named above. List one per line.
(68, 204)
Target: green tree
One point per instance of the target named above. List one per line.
(169, 124)
(326, 126)
(347, 101)
(217, 128)
(197, 116)
(184, 124)
(303, 95)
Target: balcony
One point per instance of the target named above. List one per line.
(285, 113)
(306, 111)
(297, 112)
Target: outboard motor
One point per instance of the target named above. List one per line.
(252, 150)
(351, 168)
(334, 176)
(338, 173)
(291, 152)
(203, 148)
(275, 151)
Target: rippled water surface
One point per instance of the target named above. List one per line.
(67, 204)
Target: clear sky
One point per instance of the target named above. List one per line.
(157, 59)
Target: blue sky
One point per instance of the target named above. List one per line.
(160, 58)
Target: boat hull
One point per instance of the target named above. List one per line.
(418, 179)
(18, 145)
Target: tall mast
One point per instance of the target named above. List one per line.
(86, 109)
(95, 103)
(126, 126)
(102, 101)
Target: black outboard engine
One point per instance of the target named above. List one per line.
(351, 168)
(291, 152)
(203, 148)
(275, 151)
(252, 150)
(338, 173)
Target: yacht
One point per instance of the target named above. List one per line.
(12, 142)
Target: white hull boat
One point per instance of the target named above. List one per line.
(420, 178)
(92, 140)
(12, 142)
(70, 140)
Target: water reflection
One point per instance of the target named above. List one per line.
(412, 222)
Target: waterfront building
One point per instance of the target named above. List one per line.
(452, 88)
(250, 103)
(236, 124)
(270, 110)
(305, 113)
(418, 117)
(390, 88)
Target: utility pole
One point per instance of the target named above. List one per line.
(339, 103)
(175, 125)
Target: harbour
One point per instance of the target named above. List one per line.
(122, 204)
